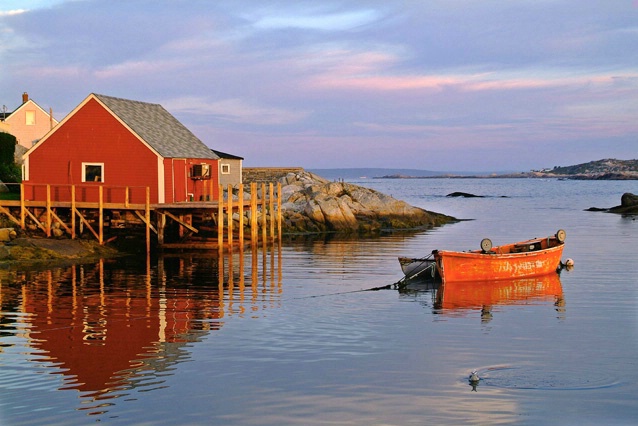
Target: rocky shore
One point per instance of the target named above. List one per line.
(30, 250)
(312, 204)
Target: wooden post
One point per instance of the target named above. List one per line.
(48, 215)
(240, 196)
(253, 213)
(220, 219)
(271, 208)
(72, 212)
(101, 214)
(279, 211)
(147, 215)
(22, 207)
(229, 213)
(263, 212)
(161, 224)
(126, 197)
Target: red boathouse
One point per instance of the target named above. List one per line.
(120, 143)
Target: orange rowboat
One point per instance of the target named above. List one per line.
(529, 258)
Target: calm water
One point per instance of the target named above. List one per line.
(285, 337)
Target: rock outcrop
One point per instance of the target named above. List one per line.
(628, 205)
(311, 203)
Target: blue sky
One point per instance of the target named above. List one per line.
(433, 84)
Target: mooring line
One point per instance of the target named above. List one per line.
(385, 287)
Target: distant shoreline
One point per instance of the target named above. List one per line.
(525, 175)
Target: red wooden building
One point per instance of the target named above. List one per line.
(119, 143)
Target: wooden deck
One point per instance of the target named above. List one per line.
(59, 210)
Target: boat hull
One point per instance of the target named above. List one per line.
(412, 268)
(541, 256)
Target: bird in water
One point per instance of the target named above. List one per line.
(474, 377)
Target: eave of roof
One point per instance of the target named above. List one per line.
(226, 155)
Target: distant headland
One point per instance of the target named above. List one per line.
(606, 169)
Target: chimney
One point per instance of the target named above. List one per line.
(25, 97)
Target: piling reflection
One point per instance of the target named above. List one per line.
(461, 298)
(111, 329)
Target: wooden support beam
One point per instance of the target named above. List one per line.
(86, 222)
(35, 219)
(10, 216)
(181, 222)
(144, 219)
(161, 225)
(61, 222)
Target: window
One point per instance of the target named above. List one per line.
(30, 118)
(92, 172)
(225, 169)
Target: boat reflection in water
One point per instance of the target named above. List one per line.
(109, 331)
(461, 298)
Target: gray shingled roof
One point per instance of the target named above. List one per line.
(158, 128)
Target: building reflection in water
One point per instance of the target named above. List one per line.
(111, 328)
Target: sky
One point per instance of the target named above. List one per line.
(442, 85)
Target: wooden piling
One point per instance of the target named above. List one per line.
(220, 219)
(253, 212)
(229, 213)
(240, 196)
(279, 211)
(263, 212)
(271, 209)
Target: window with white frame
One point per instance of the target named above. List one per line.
(92, 172)
(225, 169)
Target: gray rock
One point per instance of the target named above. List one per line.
(312, 203)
